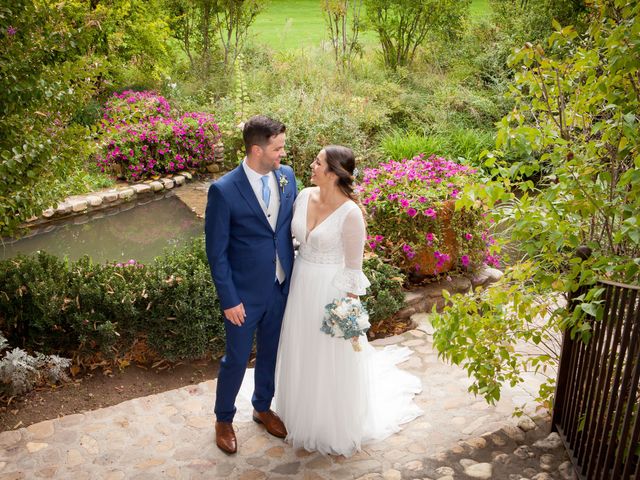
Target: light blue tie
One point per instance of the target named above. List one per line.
(266, 191)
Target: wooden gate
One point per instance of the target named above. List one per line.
(597, 393)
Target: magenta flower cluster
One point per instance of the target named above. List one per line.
(142, 139)
(411, 200)
(414, 184)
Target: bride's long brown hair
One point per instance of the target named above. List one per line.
(342, 162)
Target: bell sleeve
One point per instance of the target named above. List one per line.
(351, 279)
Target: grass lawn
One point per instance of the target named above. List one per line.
(294, 24)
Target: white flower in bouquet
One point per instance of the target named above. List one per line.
(346, 318)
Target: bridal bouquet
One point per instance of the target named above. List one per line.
(346, 318)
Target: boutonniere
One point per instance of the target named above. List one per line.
(283, 182)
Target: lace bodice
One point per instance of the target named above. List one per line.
(338, 240)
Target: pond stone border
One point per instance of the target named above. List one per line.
(79, 205)
(81, 218)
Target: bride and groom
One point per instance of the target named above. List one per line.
(328, 397)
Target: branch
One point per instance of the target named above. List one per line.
(635, 86)
(545, 94)
(598, 208)
(561, 107)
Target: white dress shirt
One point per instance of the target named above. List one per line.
(271, 212)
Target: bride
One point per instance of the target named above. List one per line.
(332, 398)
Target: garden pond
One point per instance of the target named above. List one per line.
(140, 231)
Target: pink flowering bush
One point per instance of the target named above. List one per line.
(129, 106)
(141, 138)
(413, 220)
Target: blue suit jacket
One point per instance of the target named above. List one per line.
(241, 245)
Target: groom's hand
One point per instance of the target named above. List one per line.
(235, 315)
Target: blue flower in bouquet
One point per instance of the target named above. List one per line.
(346, 318)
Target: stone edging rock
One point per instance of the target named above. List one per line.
(522, 452)
(422, 299)
(90, 202)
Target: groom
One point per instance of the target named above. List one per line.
(250, 252)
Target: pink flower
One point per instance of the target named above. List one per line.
(11, 30)
(406, 248)
(404, 203)
(492, 260)
(412, 212)
(430, 212)
(468, 236)
(464, 260)
(441, 259)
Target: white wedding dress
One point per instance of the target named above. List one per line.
(331, 398)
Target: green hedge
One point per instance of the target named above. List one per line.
(80, 309)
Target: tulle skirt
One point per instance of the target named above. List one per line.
(331, 398)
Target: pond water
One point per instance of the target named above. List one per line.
(131, 231)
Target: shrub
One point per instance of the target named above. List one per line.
(141, 139)
(317, 119)
(21, 372)
(385, 296)
(183, 318)
(44, 80)
(85, 310)
(413, 222)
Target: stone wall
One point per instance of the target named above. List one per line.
(422, 299)
(85, 205)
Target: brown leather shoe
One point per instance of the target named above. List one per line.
(272, 423)
(226, 437)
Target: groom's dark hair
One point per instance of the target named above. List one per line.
(259, 129)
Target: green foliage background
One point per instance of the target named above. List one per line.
(563, 170)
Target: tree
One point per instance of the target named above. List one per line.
(514, 22)
(197, 23)
(234, 17)
(343, 21)
(45, 78)
(403, 25)
(575, 124)
(132, 37)
(193, 23)
(531, 20)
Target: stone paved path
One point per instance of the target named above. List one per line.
(170, 435)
